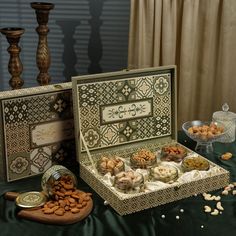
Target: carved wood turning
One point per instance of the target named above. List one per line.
(43, 57)
(15, 66)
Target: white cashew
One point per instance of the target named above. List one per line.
(208, 197)
(225, 192)
(231, 185)
(219, 206)
(234, 192)
(215, 212)
(207, 209)
(217, 198)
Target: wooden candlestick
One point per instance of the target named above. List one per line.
(43, 57)
(15, 66)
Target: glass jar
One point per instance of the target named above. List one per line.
(56, 177)
(228, 119)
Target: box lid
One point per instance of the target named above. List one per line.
(124, 108)
(36, 128)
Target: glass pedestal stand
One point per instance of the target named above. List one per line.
(204, 147)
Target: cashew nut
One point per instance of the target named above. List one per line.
(215, 212)
(217, 198)
(208, 197)
(231, 185)
(225, 192)
(206, 194)
(207, 209)
(234, 192)
(219, 206)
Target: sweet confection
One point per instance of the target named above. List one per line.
(112, 165)
(128, 180)
(195, 163)
(143, 159)
(174, 153)
(164, 173)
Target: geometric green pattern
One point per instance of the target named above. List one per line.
(34, 115)
(124, 110)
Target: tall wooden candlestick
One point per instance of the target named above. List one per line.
(15, 66)
(43, 57)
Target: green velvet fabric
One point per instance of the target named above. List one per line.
(105, 221)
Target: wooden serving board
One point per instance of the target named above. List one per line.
(67, 218)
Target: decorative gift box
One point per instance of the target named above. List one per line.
(37, 127)
(120, 113)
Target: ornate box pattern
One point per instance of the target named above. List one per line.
(37, 128)
(119, 113)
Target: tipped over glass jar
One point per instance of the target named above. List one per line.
(58, 179)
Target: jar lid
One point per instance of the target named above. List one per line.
(31, 199)
(225, 114)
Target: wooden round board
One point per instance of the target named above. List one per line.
(67, 218)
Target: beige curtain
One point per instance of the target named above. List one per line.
(199, 36)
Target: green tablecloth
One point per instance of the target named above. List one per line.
(105, 221)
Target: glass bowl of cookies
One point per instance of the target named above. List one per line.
(204, 133)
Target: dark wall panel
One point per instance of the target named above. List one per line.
(86, 36)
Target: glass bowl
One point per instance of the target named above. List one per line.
(195, 163)
(164, 173)
(204, 133)
(174, 152)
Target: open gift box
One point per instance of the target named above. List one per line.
(37, 128)
(117, 114)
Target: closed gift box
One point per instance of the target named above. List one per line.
(37, 128)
